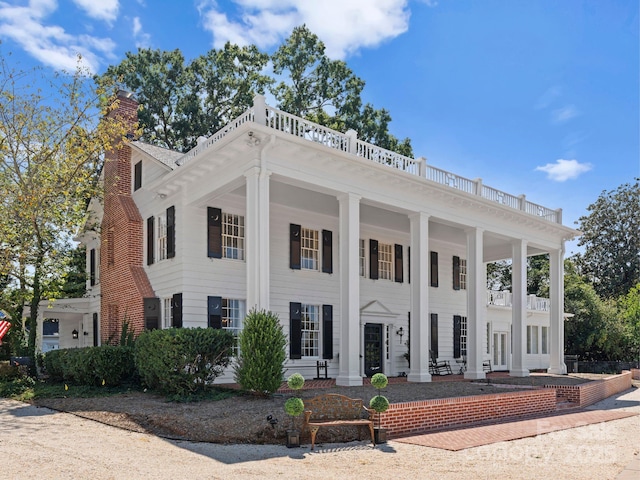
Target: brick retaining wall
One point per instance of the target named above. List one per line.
(414, 417)
(589, 393)
(635, 373)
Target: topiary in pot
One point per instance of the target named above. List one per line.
(379, 404)
(294, 407)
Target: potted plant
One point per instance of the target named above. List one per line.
(379, 404)
(294, 407)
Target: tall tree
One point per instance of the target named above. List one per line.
(182, 102)
(610, 235)
(50, 156)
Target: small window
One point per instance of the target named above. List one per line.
(233, 236)
(309, 249)
(137, 176)
(363, 260)
(532, 339)
(385, 261)
(310, 330)
(162, 237)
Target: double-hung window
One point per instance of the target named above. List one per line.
(167, 312)
(232, 317)
(310, 330)
(162, 237)
(309, 249)
(233, 236)
(532, 339)
(463, 274)
(385, 261)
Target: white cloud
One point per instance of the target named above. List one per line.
(50, 44)
(547, 98)
(564, 170)
(106, 10)
(360, 23)
(143, 39)
(564, 114)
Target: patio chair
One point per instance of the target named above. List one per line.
(438, 367)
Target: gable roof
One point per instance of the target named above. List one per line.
(163, 155)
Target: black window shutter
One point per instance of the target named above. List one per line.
(399, 264)
(457, 331)
(171, 232)
(327, 331)
(327, 251)
(137, 176)
(434, 334)
(434, 269)
(373, 259)
(176, 310)
(214, 232)
(150, 241)
(409, 264)
(92, 266)
(295, 246)
(295, 330)
(151, 313)
(96, 330)
(456, 273)
(214, 312)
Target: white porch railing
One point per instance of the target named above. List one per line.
(503, 298)
(262, 114)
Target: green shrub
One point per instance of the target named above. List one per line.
(105, 365)
(260, 365)
(379, 403)
(379, 381)
(182, 361)
(294, 406)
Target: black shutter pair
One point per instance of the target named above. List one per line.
(456, 273)
(92, 267)
(295, 249)
(151, 313)
(171, 236)
(373, 261)
(214, 312)
(295, 331)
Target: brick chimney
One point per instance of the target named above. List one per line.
(123, 280)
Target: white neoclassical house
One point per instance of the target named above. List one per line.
(363, 254)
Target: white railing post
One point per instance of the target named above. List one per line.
(352, 135)
(422, 167)
(260, 109)
(523, 202)
(559, 216)
(478, 182)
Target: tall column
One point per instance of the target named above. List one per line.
(257, 238)
(556, 294)
(419, 328)
(349, 368)
(518, 308)
(476, 303)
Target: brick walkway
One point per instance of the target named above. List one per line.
(475, 436)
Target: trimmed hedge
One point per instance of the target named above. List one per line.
(105, 365)
(182, 361)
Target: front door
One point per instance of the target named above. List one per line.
(500, 351)
(373, 349)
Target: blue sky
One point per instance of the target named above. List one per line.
(534, 96)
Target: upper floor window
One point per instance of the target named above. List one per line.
(459, 273)
(385, 261)
(363, 259)
(309, 249)
(233, 236)
(137, 176)
(162, 237)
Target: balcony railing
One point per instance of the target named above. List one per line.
(503, 298)
(348, 142)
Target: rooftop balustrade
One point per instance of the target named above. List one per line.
(504, 298)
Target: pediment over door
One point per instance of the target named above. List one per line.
(377, 310)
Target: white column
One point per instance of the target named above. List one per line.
(519, 308)
(476, 303)
(419, 328)
(257, 239)
(556, 294)
(349, 368)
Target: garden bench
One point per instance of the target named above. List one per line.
(332, 410)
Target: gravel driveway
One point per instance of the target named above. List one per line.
(43, 444)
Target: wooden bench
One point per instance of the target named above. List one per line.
(332, 410)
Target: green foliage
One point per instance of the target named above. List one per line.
(262, 353)
(379, 381)
(611, 258)
(629, 312)
(294, 406)
(107, 365)
(74, 280)
(16, 387)
(295, 381)
(182, 361)
(379, 403)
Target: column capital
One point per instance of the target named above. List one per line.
(346, 196)
(419, 215)
(473, 230)
(252, 172)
